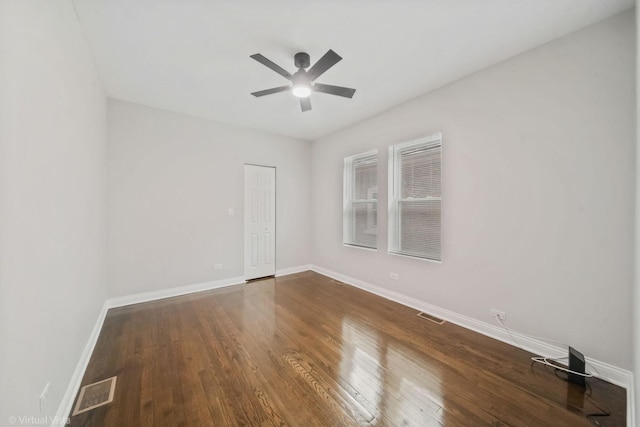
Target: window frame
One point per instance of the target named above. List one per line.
(348, 201)
(394, 225)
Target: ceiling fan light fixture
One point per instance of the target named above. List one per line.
(301, 84)
(301, 90)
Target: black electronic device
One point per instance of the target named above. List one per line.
(576, 364)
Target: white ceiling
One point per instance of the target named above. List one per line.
(192, 56)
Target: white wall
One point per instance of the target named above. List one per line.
(171, 180)
(52, 202)
(537, 198)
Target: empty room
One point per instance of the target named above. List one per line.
(319, 213)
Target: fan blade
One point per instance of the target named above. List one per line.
(270, 91)
(327, 61)
(275, 67)
(305, 104)
(347, 92)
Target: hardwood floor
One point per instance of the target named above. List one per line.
(303, 350)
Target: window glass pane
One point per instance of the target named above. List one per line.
(415, 198)
(366, 180)
(420, 228)
(420, 173)
(360, 226)
(365, 224)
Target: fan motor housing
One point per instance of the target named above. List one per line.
(301, 60)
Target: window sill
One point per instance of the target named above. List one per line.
(415, 257)
(366, 248)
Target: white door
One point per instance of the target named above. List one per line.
(259, 221)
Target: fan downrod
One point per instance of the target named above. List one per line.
(302, 60)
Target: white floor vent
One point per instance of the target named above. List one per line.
(95, 395)
(432, 318)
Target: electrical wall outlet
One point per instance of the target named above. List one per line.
(217, 266)
(44, 396)
(497, 314)
(394, 276)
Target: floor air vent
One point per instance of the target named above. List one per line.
(432, 318)
(95, 395)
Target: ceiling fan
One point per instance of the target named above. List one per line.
(302, 81)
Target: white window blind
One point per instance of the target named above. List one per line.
(415, 198)
(360, 200)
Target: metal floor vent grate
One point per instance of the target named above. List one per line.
(95, 395)
(432, 318)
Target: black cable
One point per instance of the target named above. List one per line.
(589, 394)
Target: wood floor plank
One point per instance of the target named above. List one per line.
(305, 350)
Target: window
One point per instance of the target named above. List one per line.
(414, 198)
(360, 200)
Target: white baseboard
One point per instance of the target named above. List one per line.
(631, 403)
(172, 292)
(607, 372)
(293, 270)
(76, 379)
(184, 290)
